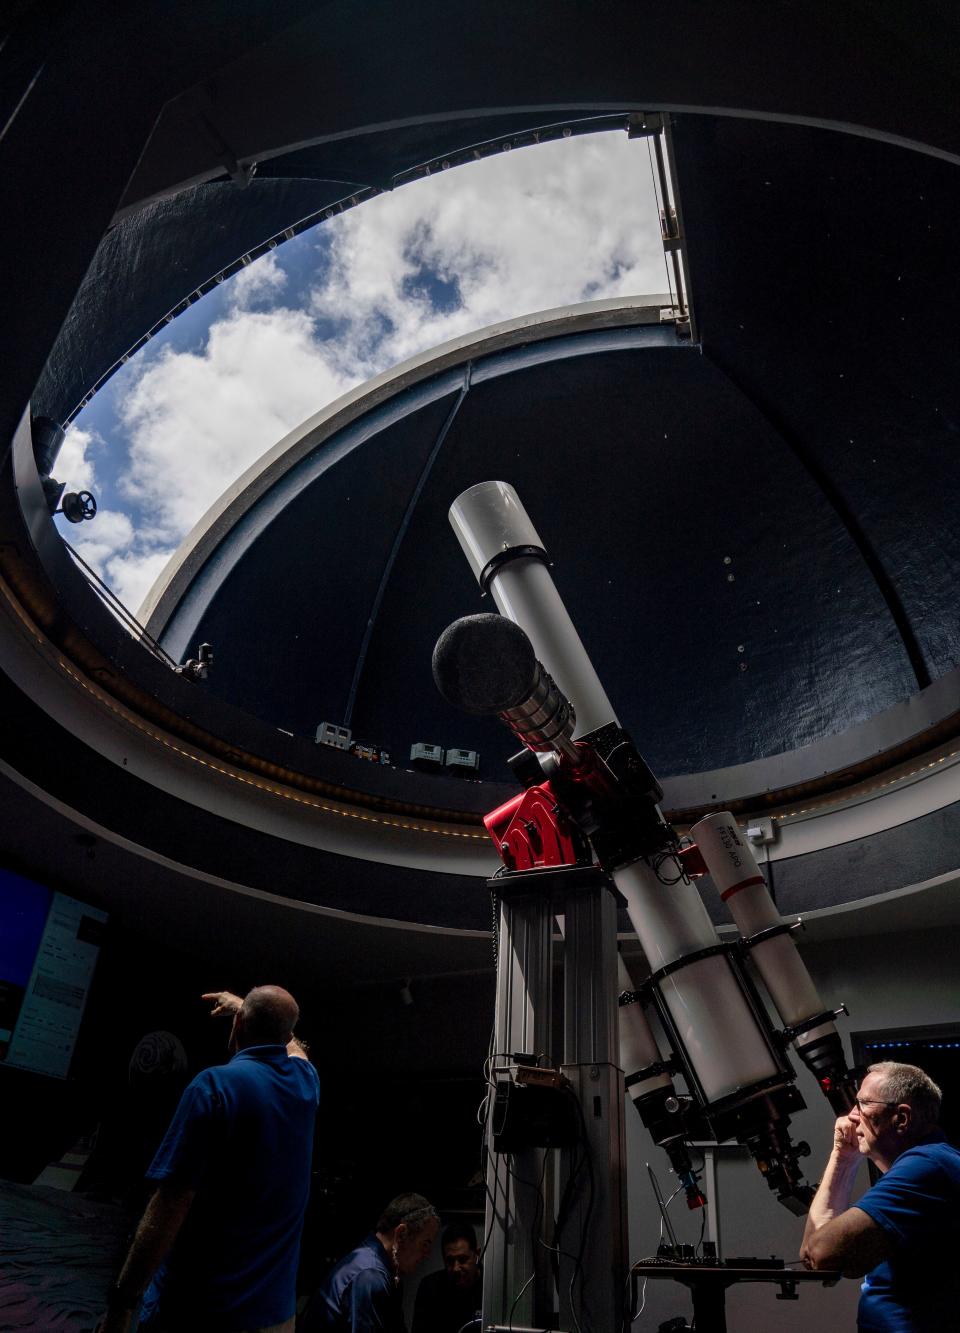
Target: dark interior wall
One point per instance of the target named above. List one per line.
(141, 985)
(401, 1082)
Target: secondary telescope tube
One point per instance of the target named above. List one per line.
(650, 1087)
(724, 1043)
(733, 868)
(638, 1046)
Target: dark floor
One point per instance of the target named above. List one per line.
(58, 1257)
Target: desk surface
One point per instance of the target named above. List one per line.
(725, 1274)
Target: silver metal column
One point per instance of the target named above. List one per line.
(517, 1282)
(709, 1178)
(592, 1187)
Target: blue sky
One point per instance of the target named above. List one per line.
(573, 220)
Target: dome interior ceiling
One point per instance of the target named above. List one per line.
(633, 465)
(824, 268)
(172, 248)
(809, 435)
(755, 536)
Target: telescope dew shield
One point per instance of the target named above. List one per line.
(506, 554)
(730, 861)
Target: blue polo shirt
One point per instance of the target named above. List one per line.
(358, 1296)
(917, 1203)
(242, 1137)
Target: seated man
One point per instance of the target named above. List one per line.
(904, 1232)
(362, 1294)
(450, 1299)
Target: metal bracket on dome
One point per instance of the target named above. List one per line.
(641, 124)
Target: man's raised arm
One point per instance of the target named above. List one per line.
(224, 1002)
(838, 1237)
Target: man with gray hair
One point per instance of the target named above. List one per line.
(902, 1236)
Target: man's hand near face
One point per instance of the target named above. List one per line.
(838, 1236)
(846, 1144)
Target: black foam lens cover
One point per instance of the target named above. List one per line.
(484, 664)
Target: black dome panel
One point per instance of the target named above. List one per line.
(726, 606)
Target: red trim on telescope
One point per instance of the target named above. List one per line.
(744, 884)
(691, 858)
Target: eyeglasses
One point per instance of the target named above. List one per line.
(871, 1101)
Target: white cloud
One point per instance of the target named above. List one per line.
(114, 550)
(197, 420)
(73, 465)
(540, 227)
(566, 222)
(98, 542)
(132, 575)
(261, 280)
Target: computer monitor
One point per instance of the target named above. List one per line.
(49, 946)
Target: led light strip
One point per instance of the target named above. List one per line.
(862, 793)
(284, 793)
(849, 795)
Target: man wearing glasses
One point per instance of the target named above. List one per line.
(903, 1235)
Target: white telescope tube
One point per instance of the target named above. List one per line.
(733, 868)
(724, 1042)
(725, 1046)
(506, 554)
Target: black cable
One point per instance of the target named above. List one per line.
(561, 1220)
(562, 1207)
(660, 858)
(485, 1155)
(537, 1213)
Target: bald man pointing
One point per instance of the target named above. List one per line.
(218, 1245)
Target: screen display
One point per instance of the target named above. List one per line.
(49, 945)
